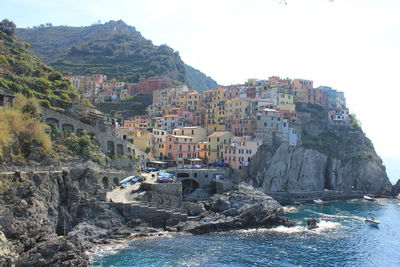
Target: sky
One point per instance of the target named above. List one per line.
(350, 45)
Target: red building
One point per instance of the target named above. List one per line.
(150, 85)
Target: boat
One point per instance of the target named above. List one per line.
(297, 203)
(318, 201)
(372, 221)
(368, 198)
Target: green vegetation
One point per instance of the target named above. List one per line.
(355, 123)
(21, 130)
(84, 146)
(129, 107)
(115, 49)
(326, 143)
(22, 72)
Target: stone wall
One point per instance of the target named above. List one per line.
(163, 194)
(110, 144)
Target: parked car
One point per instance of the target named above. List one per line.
(165, 180)
(219, 164)
(131, 180)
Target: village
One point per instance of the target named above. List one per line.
(223, 126)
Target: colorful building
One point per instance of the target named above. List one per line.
(216, 143)
(239, 152)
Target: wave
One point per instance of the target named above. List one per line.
(290, 209)
(332, 216)
(324, 226)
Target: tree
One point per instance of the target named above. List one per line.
(8, 27)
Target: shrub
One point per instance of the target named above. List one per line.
(21, 129)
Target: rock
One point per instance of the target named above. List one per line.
(312, 223)
(243, 207)
(338, 158)
(396, 189)
(193, 209)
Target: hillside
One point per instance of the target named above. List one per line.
(199, 80)
(22, 72)
(115, 49)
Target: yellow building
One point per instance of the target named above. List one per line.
(159, 143)
(236, 108)
(191, 101)
(198, 133)
(215, 109)
(285, 101)
(216, 143)
(143, 140)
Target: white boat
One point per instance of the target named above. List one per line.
(372, 221)
(368, 198)
(318, 201)
(297, 203)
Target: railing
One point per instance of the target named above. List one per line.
(6, 169)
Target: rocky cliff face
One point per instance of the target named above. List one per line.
(335, 158)
(51, 219)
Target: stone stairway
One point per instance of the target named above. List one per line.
(150, 209)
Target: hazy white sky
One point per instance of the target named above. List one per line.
(351, 45)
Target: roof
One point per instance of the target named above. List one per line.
(218, 134)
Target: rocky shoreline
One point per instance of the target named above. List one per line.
(53, 219)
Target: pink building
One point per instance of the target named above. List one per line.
(240, 151)
(180, 147)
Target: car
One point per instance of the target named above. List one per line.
(219, 164)
(165, 180)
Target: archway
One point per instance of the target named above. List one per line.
(53, 122)
(188, 186)
(183, 175)
(80, 132)
(68, 128)
(110, 148)
(116, 181)
(120, 150)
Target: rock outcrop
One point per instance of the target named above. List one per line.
(396, 189)
(331, 158)
(243, 207)
(51, 219)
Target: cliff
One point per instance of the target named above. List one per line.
(50, 219)
(333, 162)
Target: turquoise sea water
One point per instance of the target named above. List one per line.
(343, 239)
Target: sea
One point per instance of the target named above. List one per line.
(343, 238)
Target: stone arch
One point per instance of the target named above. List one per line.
(183, 175)
(53, 122)
(105, 182)
(120, 150)
(80, 132)
(68, 128)
(110, 148)
(129, 150)
(116, 181)
(189, 186)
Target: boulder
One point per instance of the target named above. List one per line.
(312, 223)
